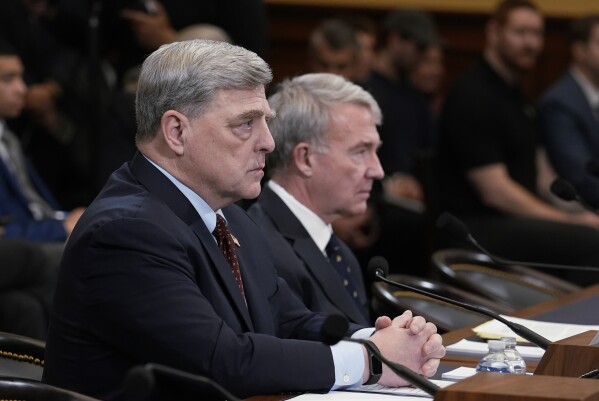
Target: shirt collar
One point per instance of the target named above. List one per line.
(589, 90)
(319, 231)
(206, 213)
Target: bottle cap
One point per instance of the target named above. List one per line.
(509, 340)
(496, 345)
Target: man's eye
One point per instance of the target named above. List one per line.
(247, 124)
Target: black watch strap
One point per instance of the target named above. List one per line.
(375, 368)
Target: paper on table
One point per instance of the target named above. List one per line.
(459, 373)
(551, 331)
(407, 391)
(352, 396)
(478, 348)
(374, 392)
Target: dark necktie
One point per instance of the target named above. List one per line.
(225, 243)
(14, 159)
(343, 269)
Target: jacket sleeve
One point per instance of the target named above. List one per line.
(142, 292)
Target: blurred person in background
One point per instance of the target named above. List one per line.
(488, 153)
(569, 113)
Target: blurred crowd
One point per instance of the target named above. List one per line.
(476, 147)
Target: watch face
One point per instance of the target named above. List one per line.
(376, 369)
(376, 366)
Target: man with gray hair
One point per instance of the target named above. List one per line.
(322, 168)
(164, 268)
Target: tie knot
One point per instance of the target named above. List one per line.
(220, 231)
(333, 245)
(220, 222)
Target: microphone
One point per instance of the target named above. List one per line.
(143, 382)
(458, 230)
(378, 268)
(566, 191)
(334, 329)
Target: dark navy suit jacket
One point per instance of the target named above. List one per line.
(304, 267)
(143, 280)
(571, 135)
(14, 206)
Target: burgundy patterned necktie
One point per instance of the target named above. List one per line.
(225, 243)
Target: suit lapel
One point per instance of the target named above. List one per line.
(16, 188)
(224, 270)
(162, 188)
(582, 108)
(305, 248)
(251, 285)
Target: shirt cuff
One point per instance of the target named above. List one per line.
(349, 361)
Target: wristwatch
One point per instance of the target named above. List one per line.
(376, 367)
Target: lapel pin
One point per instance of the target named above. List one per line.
(235, 241)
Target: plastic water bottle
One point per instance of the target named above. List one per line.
(495, 360)
(513, 357)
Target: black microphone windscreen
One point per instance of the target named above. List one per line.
(333, 329)
(377, 263)
(563, 189)
(453, 226)
(139, 383)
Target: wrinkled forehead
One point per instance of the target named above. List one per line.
(240, 103)
(524, 16)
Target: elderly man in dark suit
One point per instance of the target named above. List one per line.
(323, 167)
(162, 267)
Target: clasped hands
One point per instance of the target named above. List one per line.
(410, 341)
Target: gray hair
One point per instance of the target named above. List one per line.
(302, 105)
(184, 76)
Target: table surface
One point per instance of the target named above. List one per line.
(572, 308)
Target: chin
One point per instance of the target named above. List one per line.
(252, 193)
(358, 209)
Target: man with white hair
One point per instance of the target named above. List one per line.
(322, 168)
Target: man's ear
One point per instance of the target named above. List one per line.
(579, 51)
(303, 158)
(173, 126)
(492, 32)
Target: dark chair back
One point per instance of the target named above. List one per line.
(155, 382)
(387, 300)
(513, 286)
(21, 356)
(13, 388)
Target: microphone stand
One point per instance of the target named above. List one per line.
(522, 331)
(457, 229)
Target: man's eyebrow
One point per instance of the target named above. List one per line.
(368, 144)
(9, 74)
(250, 115)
